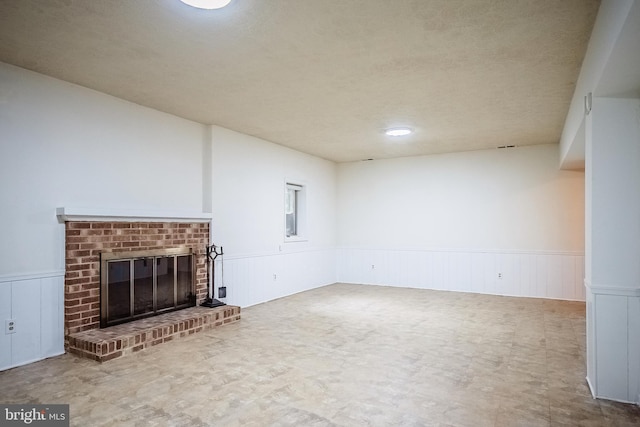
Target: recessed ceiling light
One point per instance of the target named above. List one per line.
(207, 4)
(398, 131)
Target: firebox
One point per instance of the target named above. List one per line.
(134, 285)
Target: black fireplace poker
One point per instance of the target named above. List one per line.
(213, 252)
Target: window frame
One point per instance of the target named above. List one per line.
(300, 211)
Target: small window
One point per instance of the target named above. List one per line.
(294, 211)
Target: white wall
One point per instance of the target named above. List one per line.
(64, 145)
(455, 221)
(249, 176)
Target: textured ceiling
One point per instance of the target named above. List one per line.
(323, 76)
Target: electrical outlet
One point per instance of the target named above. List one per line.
(9, 326)
(373, 266)
(275, 277)
(499, 275)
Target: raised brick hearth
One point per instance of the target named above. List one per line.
(116, 341)
(85, 241)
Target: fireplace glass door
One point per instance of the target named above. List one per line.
(141, 284)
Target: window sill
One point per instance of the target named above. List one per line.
(295, 239)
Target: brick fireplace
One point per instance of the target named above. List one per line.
(85, 241)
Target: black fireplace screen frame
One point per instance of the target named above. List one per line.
(169, 255)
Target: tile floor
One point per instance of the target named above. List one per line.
(345, 355)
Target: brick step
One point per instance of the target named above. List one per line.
(117, 341)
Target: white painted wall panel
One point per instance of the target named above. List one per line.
(414, 270)
(555, 289)
(542, 275)
(568, 275)
(591, 340)
(580, 273)
(612, 349)
(253, 280)
(633, 307)
(52, 315)
(507, 267)
(36, 305)
(439, 271)
(523, 274)
(27, 311)
(478, 262)
(5, 313)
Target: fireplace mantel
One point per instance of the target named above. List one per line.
(97, 214)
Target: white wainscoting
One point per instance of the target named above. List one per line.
(36, 303)
(613, 342)
(555, 275)
(253, 279)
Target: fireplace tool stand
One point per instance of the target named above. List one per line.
(212, 254)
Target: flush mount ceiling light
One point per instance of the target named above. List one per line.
(207, 4)
(401, 131)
